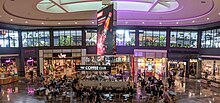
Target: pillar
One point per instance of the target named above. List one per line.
(199, 69)
(214, 68)
(187, 68)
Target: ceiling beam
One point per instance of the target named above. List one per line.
(153, 5)
(58, 5)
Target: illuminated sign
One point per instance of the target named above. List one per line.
(105, 38)
(100, 14)
(62, 55)
(92, 68)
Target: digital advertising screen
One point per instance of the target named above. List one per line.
(105, 35)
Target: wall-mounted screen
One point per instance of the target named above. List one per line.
(105, 38)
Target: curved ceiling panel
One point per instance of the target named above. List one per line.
(129, 12)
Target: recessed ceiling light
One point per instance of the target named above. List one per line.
(177, 22)
(75, 22)
(58, 23)
(207, 18)
(160, 23)
(42, 23)
(92, 22)
(11, 20)
(142, 22)
(218, 13)
(193, 21)
(26, 22)
(126, 22)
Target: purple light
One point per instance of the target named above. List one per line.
(30, 60)
(30, 91)
(8, 61)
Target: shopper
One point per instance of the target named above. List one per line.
(166, 96)
(169, 80)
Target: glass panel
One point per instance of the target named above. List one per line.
(125, 37)
(91, 37)
(41, 38)
(141, 38)
(187, 39)
(67, 38)
(217, 43)
(34, 38)
(56, 38)
(46, 38)
(203, 39)
(163, 38)
(152, 38)
(209, 39)
(148, 38)
(155, 38)
(119, 37)
(173, 39)
(184, 39)
(193, 40)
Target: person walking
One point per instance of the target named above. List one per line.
(169, 82)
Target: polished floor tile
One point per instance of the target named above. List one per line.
(188, 91)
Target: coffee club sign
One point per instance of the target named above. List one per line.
(93, 68)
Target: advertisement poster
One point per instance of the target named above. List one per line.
(105, 38)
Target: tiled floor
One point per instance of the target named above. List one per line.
(188, 91)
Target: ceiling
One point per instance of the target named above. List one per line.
(129, 12)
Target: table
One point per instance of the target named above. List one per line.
(89, 83)
(42, 88)
(172, 93)
(126, 95)
(108, 96)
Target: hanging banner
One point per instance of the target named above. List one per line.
(105, 38)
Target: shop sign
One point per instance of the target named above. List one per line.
(92, 68)
(62, 55)
(150, 59)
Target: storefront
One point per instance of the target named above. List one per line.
(9, 65)
(30, 66)
(120, 64)
(211, 69)
(60, 62)
(150, 63)
(177, 66)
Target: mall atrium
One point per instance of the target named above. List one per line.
(110, 51)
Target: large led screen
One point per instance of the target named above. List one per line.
(105, 38)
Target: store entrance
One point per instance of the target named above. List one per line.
(177, 68)
(58, 67)
(30, 66)
(151, 67)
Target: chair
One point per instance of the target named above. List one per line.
(143, 99)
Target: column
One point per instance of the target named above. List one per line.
(198, 69)
(187, 69)
(214, 68)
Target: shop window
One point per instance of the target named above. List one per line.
(91, 37)
(35, 38)
(8, 38)
(183, 39)
(125, 37)
(211, 39)
(152, 38)
(67, 38)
